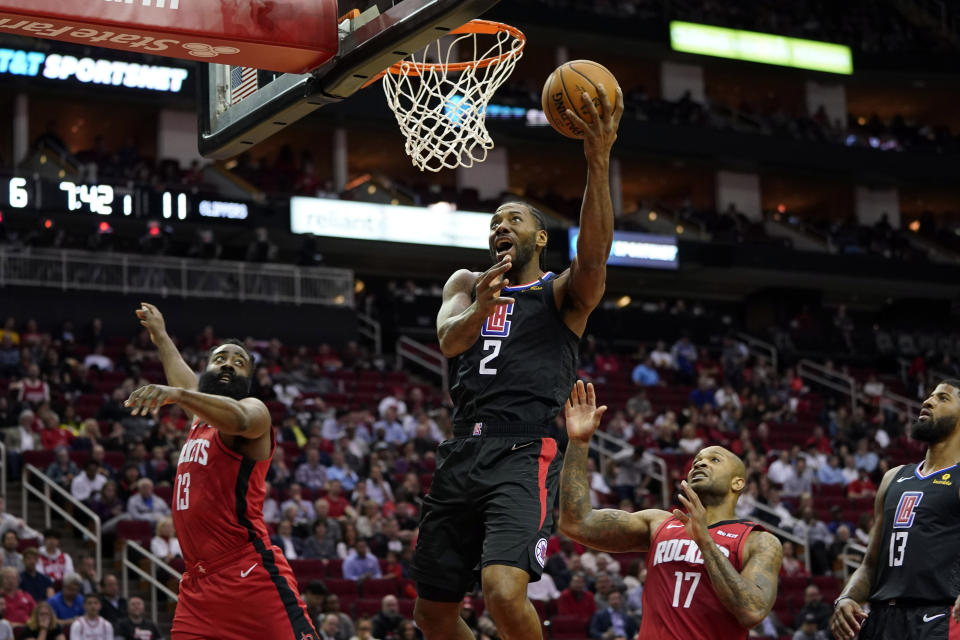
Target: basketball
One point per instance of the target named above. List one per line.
(563, 88)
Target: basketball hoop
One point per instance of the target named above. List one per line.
(441, 106)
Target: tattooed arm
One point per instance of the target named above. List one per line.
(748, 595)
(609, 530)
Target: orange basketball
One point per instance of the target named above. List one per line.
(563, 90)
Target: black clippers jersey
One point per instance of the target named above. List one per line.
(522, 367)
(920, 548)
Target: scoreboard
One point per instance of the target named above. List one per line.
(51, 196)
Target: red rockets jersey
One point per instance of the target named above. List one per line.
(218, 496)
(678, 599)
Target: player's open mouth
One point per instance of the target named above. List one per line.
(503, 246)
(698, 474)
(226, 377)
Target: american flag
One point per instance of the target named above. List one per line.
(243, 82)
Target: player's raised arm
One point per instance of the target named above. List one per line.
(221, 400)
(609, 530)
(586, 280)
(178, 372)
(848, 613)
(462, 314)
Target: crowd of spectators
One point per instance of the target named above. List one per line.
(354, 458)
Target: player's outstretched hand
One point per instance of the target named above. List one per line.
(847, 617)
(152, 319)
(695, 519)
(152, 396)
(582, 413)
(489, 286)
(601, 132)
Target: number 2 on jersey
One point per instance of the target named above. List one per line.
(487, 345)
(183, 492)
(681, 578)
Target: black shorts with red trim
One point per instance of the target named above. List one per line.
(490, 503)
(909, 621)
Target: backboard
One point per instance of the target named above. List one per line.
(240, 107)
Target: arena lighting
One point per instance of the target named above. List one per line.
(435, 225)
(636, 250)
(760, 47)
(92, 70)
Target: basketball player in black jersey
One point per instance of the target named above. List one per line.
(911, 571)
(513, 356)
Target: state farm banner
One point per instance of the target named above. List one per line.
(292, 36)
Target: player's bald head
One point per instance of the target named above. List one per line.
(716, 473)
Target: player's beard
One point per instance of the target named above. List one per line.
(525, 252)
(933, 430)
(237, 387)
(711, 493)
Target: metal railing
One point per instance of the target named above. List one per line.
(150, 576)
(419, 353)
(370, 329)
(780, 532)
(849, 565)
(624, 455)
(759, 347)
(843, 383)
(3, 471)
(95, 534)
(69, 269)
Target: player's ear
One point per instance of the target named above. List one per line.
(737, 483)
(542, 238)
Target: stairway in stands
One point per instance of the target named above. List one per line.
(72, 543)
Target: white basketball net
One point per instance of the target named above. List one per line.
(441, 106)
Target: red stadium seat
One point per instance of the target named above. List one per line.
(379, 587)
(27, 543)
(366, 607)
(140, 531)
(406, 607)
(342, 587)
(335, 568)
(311, 569)
(38, 458)
(568, 628)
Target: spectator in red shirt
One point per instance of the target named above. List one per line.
(338, 504)
(862, 487)
(820, 441)
(19, 603)
(575, 600)
(791, 565)
(51, 435)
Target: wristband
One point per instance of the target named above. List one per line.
(837, 601)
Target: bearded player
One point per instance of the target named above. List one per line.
(512, 336)
(910, 573)
(710, 576)
(236, 584)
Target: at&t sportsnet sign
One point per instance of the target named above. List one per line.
(114, 73)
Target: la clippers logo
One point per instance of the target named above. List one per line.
(541, 551)
(497, 325)
(907, 509)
